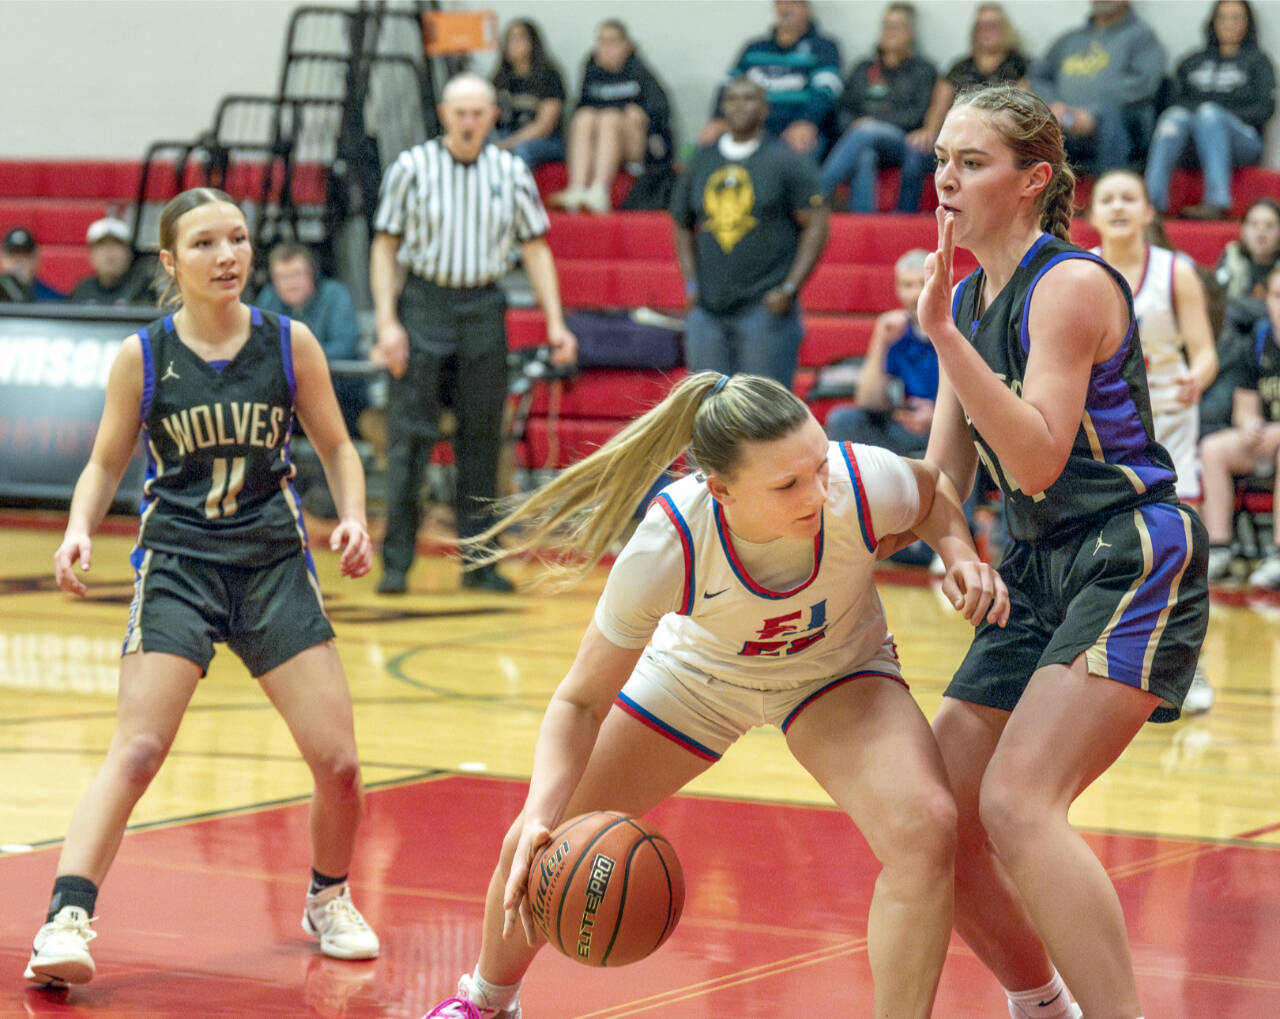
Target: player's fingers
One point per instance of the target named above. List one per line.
(526, 918)
(948, 243)
(1000, 604)
(951, 590)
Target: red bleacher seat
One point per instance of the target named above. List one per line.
(622, 283)
(62, 266)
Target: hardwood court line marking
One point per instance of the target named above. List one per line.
(419, 775)
(851, 947)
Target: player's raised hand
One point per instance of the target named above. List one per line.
(933, 310)
(357, 549)
(75, 548)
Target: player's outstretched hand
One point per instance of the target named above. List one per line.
(977, 592)
(357, 549)
(75, 548)
(933, 309)
(515, 898)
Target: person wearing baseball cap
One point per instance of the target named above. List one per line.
(117, 278)
(19, 258)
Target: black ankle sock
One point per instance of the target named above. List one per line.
(71, 890)
(319, 882)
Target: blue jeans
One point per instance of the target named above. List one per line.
(874, 428)
(1121, 134)
(753, 340)
(537, 151)
(858, 156)
(1222, 142)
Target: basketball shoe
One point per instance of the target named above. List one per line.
(60, 953)
(464, 1007)
(332, 917)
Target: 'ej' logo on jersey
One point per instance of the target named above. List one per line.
(789, 634)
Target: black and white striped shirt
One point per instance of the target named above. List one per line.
(458, 222)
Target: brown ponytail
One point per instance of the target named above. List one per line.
(1030, 129)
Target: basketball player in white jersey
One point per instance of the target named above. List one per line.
(744, 598)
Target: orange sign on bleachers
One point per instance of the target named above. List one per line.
(445, 33)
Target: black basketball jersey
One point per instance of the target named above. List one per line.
(1115, 461)
(218, 472)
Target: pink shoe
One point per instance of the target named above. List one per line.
(462, 1007)
(454, 1008)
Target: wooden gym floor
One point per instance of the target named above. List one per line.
(200, 914)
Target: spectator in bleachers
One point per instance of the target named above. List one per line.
(1246, 263)
(995, 55)
(530, 97)
(799, 69)
(750, 227)
(623, 119)
(298, 290)
(882, 109)
(1250, 446)
(1100, 81)
(117, 278)
(19, 263)
(1223, 96)
(898, 380)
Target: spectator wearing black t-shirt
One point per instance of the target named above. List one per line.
(750, 226)
(530, 97)
(995, 56)
(884, 100)
(623, 117)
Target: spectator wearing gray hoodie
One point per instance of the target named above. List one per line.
(1101, 81)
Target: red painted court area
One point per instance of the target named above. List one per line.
(202, 919)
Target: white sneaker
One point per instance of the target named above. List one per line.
(1267, 574)
(570, 199)
(332, 917)
(596, 199)
(60, 953)
(1220, 558)
(1199, 697)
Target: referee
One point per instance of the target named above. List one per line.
(449, 213)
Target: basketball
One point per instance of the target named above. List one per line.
(607, 890)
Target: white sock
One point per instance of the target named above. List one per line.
(1047, 1002)
(501, 997)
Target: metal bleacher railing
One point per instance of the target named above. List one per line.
(354, 90)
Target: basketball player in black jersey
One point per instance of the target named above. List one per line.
(221, 556)
(1044, 382)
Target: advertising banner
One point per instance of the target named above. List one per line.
(54, 363)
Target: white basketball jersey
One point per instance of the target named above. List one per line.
(1154, 307)
(724, 624)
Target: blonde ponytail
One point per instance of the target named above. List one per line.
(585, 509)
